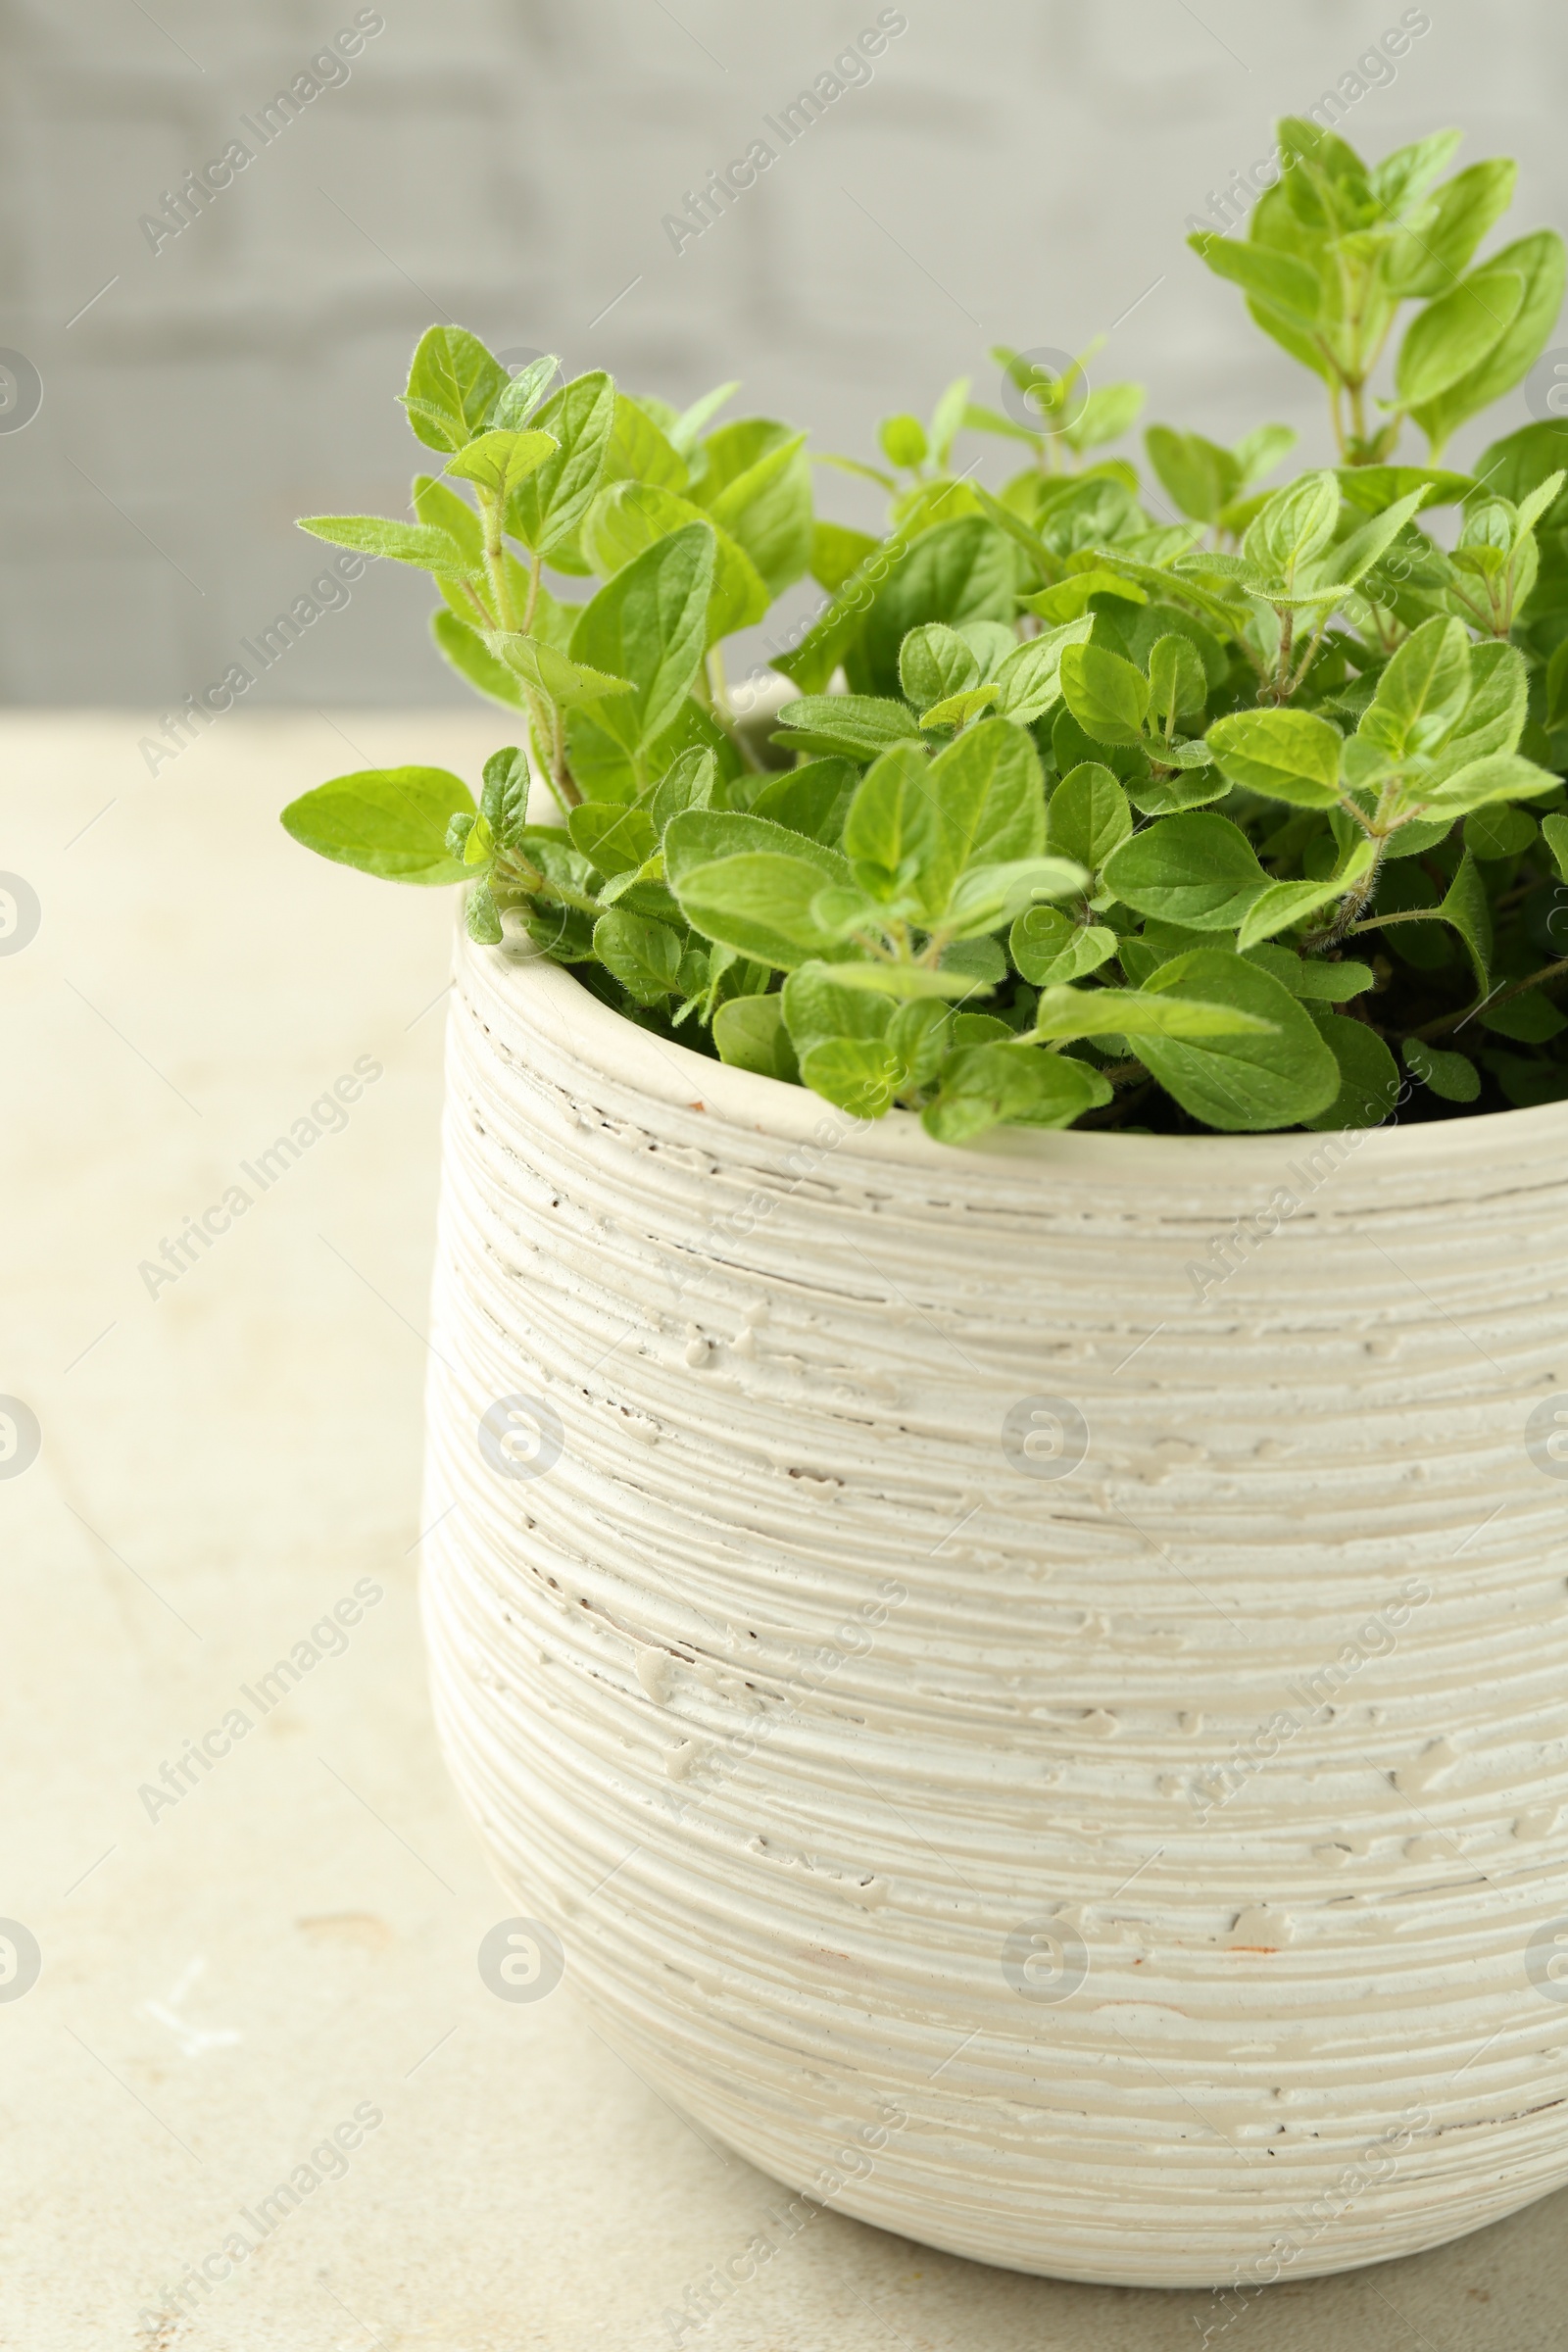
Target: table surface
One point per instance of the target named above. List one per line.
(230, 1973)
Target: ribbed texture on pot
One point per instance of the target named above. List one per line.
(795, 1704)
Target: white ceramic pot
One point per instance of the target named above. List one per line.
(1049, 1746)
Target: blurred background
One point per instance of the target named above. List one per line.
(206, 369)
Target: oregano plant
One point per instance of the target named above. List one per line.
(1172, 804)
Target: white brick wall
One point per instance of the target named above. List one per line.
(508, 161)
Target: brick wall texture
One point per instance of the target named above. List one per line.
(1015, 170)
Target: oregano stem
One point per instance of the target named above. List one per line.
(495, 559)
(487, 619)
(1380, 922)
(1356, 901)
(1309, 658)
(567, 792)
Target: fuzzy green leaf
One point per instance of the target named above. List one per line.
(855, 1074)
(1069, 1012)
(1172, 796)
(1200, 477)
(1295, 526)
(640, 451)
(1440, 246)
(1088, 816)
(416, 543)
(1106, 696)
(910, 982)
(1271, 279)
(1028, 682)
(749, 1034)
(761, 904)
(1051, 950)
(1284, 903)
(465, 650)
(453, 384)
(689, 782)
(1109, 411)
(390, 821)
(552, 673)
(1198, 871)
(984, 897)
(644, 956)
(1314, 980)
(957, 571)
(1178, 684)
(1494, 718)
(987, 806)
(978, 803)
(1369, 1076)
(1400, 177)
(749, 884)
(443, 509)
(758, 487)
(649, 625)
(960, 709)
(499, 461)
(1423, 692)
(1541, 262)
(1453, 335)
(615, 839)
(1467, 908)
(837, 554)
(627, 517)
(1499, 832)
(516, 403)
(1250, 1082)
(934, 664)
(483, 916)
(547, 509)
(1501, 776)
(1069, 599)
(504, 799)
(983, 1086)
(1451, 1076)
(850, 726)
(819, 1007)
(810, 800)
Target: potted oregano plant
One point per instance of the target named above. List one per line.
(1000, 1672)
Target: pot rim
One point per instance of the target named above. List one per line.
(606, 1042)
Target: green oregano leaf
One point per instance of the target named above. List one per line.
(390, 821)
(1106, 696)
(1452, 1077)
(751, 1034)
(645, 956)
(983, 1086)
(1088, 818)
(1199, 870)
(453, 384)
(482, 918)
(1369, 1077)
(1241, 1083)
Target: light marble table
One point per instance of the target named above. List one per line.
(228, 1975)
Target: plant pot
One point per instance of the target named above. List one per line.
(1048, 1746)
